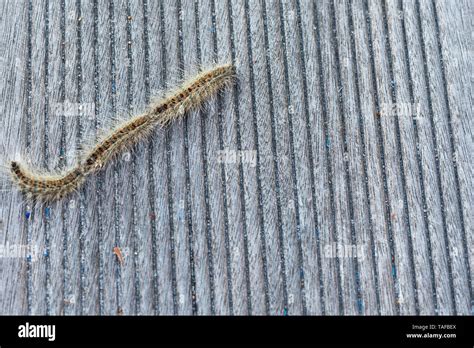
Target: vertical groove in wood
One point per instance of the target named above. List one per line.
(418, 156)
(79, 136)
(258, 160)
(374, 183)
(380, 142)
(53, 211)
(62, 152)
(37, 118)
(204, 156)
(151, 171)
(455, 55)
(292, 155)
(274, 150)
(133, 170)
(188, 207)
(393, 96)
(28, 87)
(100, 176)
(452, 147)
(116, 209)
(364, 154)
(89, 252)
(276, 167)
(223, 174)
(308, 125)
(436, 150)
(159, 210)
(164, 84)
(343, 132)
(329, 171)
(46, 158)
(310, 140)
(241, 172)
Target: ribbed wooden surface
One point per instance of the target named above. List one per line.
(350, 126)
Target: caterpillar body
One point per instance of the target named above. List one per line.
(189, 96)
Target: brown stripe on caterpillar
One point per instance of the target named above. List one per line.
(98, 152)
(15, 168)
(191, 95)
(194, 88)
(37, 184)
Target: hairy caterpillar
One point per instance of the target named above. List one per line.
(189, 96)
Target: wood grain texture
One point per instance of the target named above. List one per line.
(350, 129)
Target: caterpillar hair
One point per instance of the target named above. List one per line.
(191, 95)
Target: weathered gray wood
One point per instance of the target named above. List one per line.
(416, 243)
(449, 175)
(14, 69)
(356, 158)
(457, 58)
(434, 219)
(217, 217)
(395, 214)
(327, 91)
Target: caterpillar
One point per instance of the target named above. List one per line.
(189, 96)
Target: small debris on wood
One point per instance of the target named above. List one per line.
(119, 255)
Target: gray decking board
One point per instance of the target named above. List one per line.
(315, 80)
